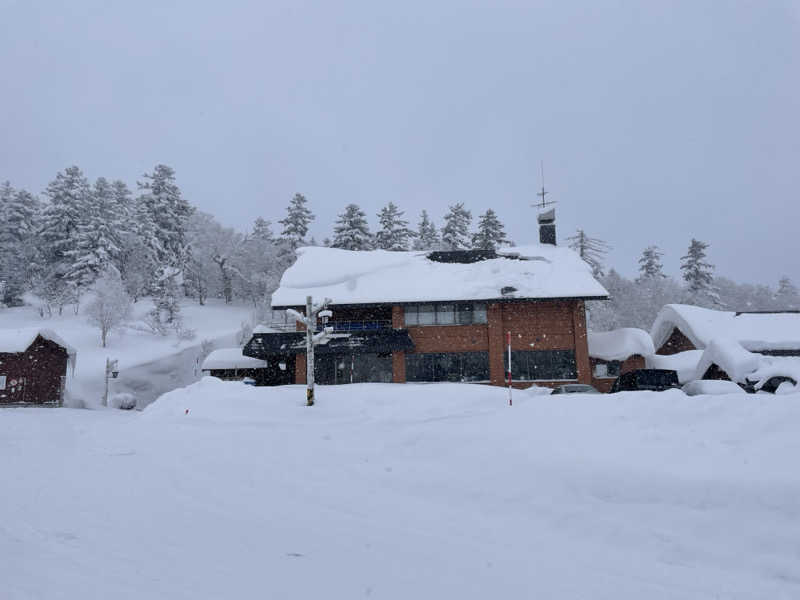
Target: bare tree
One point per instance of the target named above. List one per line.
(111, 305)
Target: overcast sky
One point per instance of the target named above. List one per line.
(657, 121)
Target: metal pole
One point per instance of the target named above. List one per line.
(508, 338)
(309, 354)
(105, 393)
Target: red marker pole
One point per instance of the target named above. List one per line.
(508, 341)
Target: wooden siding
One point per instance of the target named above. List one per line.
(38, 373)
(677, 342)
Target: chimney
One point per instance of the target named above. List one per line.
(547, 227)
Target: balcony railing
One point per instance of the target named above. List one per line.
(371, 325)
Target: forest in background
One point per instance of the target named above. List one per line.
(78, 236)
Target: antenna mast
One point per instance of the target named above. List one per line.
(543, 203)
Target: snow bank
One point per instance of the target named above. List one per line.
(351, 277)
(231, 358)
(711, 387)
(754, 331)
(619, 344)
(684, 363)
(729, 356)
(776, 366)
(404, 491)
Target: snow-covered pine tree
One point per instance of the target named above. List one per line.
(591, 250)
(168, 214)
(394, 233)
(262, 230)
(491, 232)
(650, 266)
(699, 274)
(68, 196)
(455, 233)
(18, 249)
(427, 237)
(351, 231)
(99, 239)
(295, 225)
(787, 297)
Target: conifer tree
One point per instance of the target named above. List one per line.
(168, 213)
(427, 237)
(18, 248)
(262, 230)
(99, 237)
(698, 274)
(591, 250)
(295, 225)
(650, 266)
(394, 233)
(62, 216)
(351, 231)
(787, 297)
(491, 232)
(455, 233)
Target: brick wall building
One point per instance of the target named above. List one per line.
(442, 316)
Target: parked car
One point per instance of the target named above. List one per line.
(575, 388)
(712, 387)
(654, 380)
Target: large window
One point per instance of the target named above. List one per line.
(353, 368)
(459, 313)
(448, 366)
(542, 365)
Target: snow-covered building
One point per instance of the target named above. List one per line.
(33, 366)
(612, 353)
(681, 327)
(231, 365)
(439, 316)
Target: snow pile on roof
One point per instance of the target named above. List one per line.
(619, 344)
(265, 329)
(729, 356)
(231, 358)
(684, 363)
(754, 331)
(376, 276)
(19, 340)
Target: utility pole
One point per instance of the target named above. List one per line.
(312, 337)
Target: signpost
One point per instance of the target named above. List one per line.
(312, 337)
(111, 370)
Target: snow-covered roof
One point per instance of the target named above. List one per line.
(19, 340)
(379, 276)
(619, 344)
(754, 331)
(684, 363)
(231, 358)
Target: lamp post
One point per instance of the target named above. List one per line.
(313, 338)
(111, 369)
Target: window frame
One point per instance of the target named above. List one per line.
(524, 365)
(463, 313)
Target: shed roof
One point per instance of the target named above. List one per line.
(19, 340)
(380, 276)
(231, 358)
(754, 331)
(619, 344)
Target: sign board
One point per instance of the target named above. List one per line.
(2, 382)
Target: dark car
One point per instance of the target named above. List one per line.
(654, 380)
(575, 388)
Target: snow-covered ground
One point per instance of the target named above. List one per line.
(149, 364)
(403, 491)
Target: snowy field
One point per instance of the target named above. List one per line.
(149, 364)
(403, 491)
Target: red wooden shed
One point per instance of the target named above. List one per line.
(33, 366)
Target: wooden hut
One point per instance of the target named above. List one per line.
(33, 366)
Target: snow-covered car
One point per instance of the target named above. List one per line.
(778, 384)
(575, 388)
(654, 380)
(711, 387)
